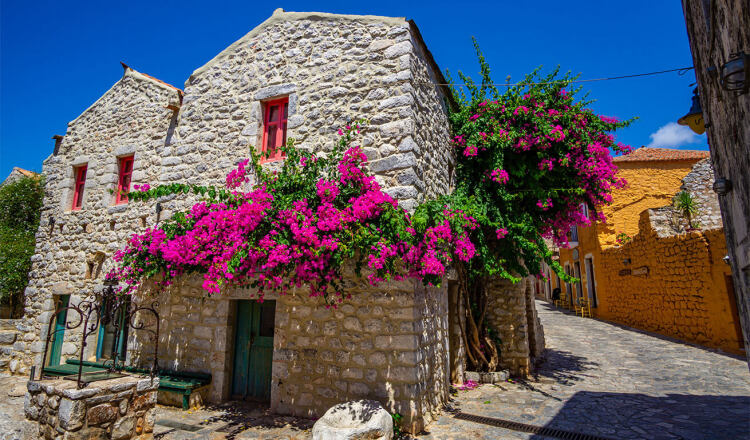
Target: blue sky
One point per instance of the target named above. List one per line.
(56, 58)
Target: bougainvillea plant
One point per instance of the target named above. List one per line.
(527, 160)
(295, 228)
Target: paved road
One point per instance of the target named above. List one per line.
(614, 382)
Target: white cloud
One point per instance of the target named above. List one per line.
(673, 135)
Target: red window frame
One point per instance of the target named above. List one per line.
(275, 115)
(80, 183)
(123, 182)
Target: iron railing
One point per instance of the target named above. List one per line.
(102, 308)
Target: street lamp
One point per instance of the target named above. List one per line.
(735, 72)
(694, 117)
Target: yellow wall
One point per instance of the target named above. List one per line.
(650, 185)
(684, 294)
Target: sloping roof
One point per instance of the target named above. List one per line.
(646, 154)
(26, 173)
(126, 67)
(130, 72)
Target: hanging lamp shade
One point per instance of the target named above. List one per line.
(694, 117)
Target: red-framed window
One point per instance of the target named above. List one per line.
(123, 182)
(80, 182)
(274, 128)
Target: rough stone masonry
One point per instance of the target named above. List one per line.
(389, 343)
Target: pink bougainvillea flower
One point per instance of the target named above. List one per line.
(500, 176)
(470, 151)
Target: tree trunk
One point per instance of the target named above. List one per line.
(481, 352)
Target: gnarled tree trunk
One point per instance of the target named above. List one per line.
(482, 354)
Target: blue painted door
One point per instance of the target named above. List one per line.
(59, 330)
(253, 350)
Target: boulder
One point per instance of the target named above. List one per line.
(355, 420)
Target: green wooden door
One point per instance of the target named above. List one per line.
(253, 350)
(59, 330)
(107, 339)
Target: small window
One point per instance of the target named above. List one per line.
(80, 183)
(274, 128)
(123, 182)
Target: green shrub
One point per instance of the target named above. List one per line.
(20, 208)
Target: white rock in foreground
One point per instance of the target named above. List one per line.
(356, 420)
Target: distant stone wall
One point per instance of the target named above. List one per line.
(116, 409)
(673, 285)
(511, 312)
(698, 182)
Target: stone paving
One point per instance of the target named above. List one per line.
(598, 379)
(13, 425)
(614, 382)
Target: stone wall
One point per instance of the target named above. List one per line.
(333, 68)
(13, 335)
(116, 409)
(716, 30)
(673, 285)
(511, 312)
(698, 182)
(387, 343)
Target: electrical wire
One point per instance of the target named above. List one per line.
(681, 71)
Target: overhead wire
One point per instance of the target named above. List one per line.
(681, 71)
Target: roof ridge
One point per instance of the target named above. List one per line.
(27, 173)
(153, 78)
(658, 154)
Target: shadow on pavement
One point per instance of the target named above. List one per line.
(638, 416)
(235, 417)
(563, 367)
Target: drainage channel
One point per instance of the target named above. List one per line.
(522, 427)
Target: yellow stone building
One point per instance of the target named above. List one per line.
(661, 275)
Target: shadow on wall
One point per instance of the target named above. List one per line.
(626, 416)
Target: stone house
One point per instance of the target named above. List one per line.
(17, 174)
(296, 75)
(665, 278)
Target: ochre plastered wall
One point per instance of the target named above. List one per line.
(650, 185)
(674, 286)
(684, 295)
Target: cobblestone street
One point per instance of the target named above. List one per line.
(598, 379)
(614, 382)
